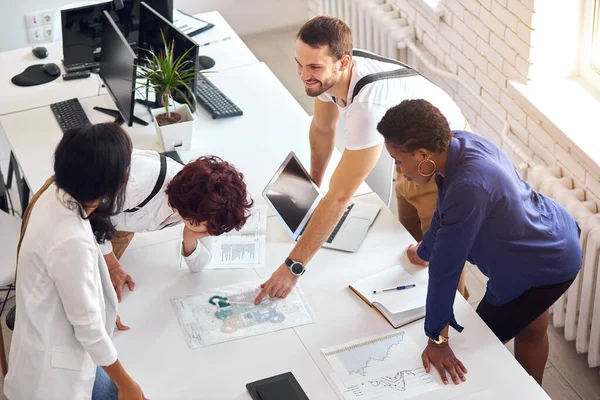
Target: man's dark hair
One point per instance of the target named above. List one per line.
(92, 163)
(416, 124)
(327, 31)
(210, 190)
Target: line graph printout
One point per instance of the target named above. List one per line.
(381, 367)
(229, 313)
(244, 248)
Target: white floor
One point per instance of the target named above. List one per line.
(567, 375)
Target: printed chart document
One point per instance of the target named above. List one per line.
(380, 367)
(229, 313)
(244, 248)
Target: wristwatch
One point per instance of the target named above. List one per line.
(296, 267)
(441, 340)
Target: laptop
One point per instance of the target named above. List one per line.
(294, 196)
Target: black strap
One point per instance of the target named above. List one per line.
(157, 186)
(377, 76)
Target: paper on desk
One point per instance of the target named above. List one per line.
(244, 248)
(186, 23)
(381, 367)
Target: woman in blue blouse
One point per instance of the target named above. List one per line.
(525, 243)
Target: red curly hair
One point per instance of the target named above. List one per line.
(210, 190)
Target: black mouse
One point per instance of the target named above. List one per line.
(205, 62)
(40, 52)
(52, 69)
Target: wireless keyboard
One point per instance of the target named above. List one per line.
(213, 100)
(69, 114)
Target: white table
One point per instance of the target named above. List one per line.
(256, 142)
(221, 371)
(228, 54)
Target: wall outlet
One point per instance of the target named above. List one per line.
(36, 35)
(47, 17)
(47, 32)
(33, 20)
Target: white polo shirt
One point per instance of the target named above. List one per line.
(366, 110)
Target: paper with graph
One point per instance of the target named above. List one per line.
(380, 367)
(244, 248)
(229, 313)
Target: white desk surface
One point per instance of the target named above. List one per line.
(16, 98)
(221, 371)
(256, 142)
(229, 54)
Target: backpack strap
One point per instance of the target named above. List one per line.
(159, 183)
(404, 72)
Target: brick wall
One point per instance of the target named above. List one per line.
(488, 42)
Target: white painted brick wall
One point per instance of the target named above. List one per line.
(473, 55)
(457, 9)
(523, 13)
(516, 43)
(472, 5)
(473, 22)
(508, 18)
(457, 56)
(566, 159)
(487, 84)
(488, 19)
(507, 52)
(464, 31)
(491, 54)
(524, 32)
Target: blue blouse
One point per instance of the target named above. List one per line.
(488, 215)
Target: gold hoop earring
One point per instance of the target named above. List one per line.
(428, 160)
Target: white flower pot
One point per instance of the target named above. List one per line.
(176, 136)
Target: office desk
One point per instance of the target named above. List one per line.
(229, 54)
(154, 351)
(16, 98)
(257, 142)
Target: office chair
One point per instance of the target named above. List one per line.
(10, 230)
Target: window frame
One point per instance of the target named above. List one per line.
(590, 37)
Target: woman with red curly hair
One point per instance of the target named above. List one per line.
(207, 195)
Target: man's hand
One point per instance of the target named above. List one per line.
(190, 240)
(442, 357)
(280, 284)
(120, 325)
(413, 257)
(118, 276)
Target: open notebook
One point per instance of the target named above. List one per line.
(399, 307)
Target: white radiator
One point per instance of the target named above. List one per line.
(379, 27)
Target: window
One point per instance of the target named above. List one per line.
(589, 68)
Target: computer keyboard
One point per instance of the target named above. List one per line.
(69, 114)
(81, 66)
(213, 100)
(339, 225)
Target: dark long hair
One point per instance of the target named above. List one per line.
(92, 163)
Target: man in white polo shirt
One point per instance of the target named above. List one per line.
(335, 75)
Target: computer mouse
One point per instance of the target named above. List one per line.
(205, 62)
(52, 69)
(40, 52)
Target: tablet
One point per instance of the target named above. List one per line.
(284, 386)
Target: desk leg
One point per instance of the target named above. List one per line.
(11, 169)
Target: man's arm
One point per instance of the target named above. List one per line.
(322, 138)
(352, 170)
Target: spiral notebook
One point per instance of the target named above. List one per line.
(399, 307)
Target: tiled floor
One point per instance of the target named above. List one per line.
(567, 374)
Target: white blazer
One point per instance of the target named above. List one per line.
(66, 306)
(156, 214)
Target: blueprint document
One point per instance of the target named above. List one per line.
(381, 367)
(244, 248)
(229, 313)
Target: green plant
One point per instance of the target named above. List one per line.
(166, 74)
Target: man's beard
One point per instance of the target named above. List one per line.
(321, 88)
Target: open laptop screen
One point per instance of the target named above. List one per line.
(292, 193)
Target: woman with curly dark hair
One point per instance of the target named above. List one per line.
(207, 195)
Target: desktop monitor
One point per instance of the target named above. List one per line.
(152, 23)
(82, 26)
(118, 68)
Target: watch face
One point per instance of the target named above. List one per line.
(297, 268)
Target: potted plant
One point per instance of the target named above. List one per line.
(166, 75)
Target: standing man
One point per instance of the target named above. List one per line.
(330, 72)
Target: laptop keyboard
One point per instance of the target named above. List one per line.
(337, 227)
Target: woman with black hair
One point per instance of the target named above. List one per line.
(61, 346)
(525, 243)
